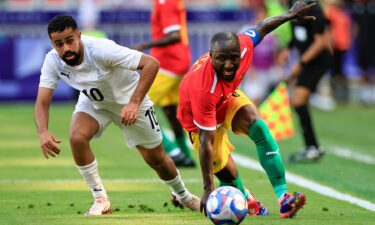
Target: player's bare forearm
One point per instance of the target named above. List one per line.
(48, 142)
(149, 67)
(206, 157)
(170, 38)
(298, 11)
(266, 26)
(41, 118)
(41, 111)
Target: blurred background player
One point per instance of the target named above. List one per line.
(340, 36)
(364, 18)
(170, 45)
(210, 104)
(111, 91)
(88, 18)
(314, 60)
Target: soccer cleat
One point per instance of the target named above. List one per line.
(308, 154)
(254, 207)
(191, 202)
(187, 162)
(101, 206)
(181, 160)
(291, 203)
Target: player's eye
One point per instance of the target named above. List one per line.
(235, 57)
(70, 41)
(221, 58)
(59, 44)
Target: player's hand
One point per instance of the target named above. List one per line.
(48, 143)
(300, 10)
(204, 198)
(129, 114)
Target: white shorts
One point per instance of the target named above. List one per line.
(145, 132)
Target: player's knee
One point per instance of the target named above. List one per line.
(78, 138)
(244, 119)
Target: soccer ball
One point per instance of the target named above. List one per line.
(226, 205)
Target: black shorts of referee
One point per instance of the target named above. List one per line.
(313, 71)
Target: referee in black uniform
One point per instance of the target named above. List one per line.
(309, 37)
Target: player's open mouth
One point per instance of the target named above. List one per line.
(229, 73)
(69, 57)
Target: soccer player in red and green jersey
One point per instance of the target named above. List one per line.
(210, 104)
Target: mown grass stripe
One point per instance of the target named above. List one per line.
(57, 181)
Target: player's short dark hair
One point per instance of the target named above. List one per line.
(60, 23)
(224, 36)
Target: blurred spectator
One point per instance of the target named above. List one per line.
(283, 32)
(340, 23)
(364, 17)
(131, 4)
(88, 17)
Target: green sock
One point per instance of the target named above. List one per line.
(181, 142)
(167, 143)
(237, 183)
(269, 156)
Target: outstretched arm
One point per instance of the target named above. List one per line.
(298, 11)
(170, 38)
(48, 142)
(149, 67)
(206, 158)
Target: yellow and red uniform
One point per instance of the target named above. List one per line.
(175, 59)
(210, 103)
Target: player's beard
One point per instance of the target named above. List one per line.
(71, 62)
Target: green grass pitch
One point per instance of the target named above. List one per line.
(36, 191)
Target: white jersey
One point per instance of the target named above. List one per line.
(107, 75)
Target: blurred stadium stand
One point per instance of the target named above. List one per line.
(24, 40)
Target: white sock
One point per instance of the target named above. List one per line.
(178, 187)
(91, 175)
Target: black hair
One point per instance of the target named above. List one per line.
(60, 23)
(224, 36)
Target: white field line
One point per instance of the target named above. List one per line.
(308, 184)
(350, 154)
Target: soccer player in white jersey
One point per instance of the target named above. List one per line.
(111, 91)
